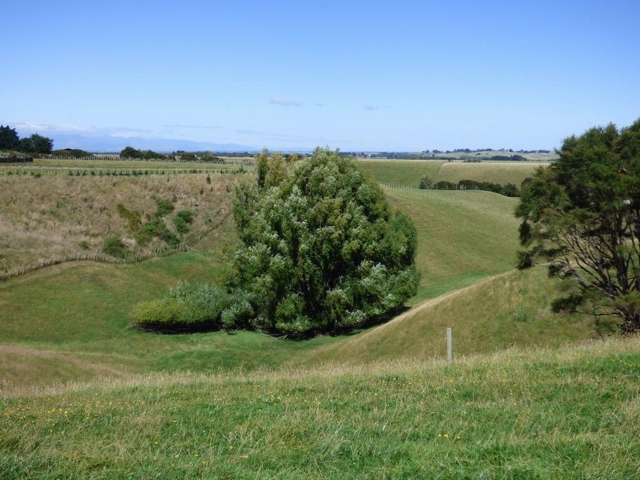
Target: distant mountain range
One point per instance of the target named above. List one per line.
(106, 143)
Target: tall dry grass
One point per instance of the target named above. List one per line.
(51, 219)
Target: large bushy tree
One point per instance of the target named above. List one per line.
(321, 251)
(583, 215)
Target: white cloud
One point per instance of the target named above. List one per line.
(284, 102)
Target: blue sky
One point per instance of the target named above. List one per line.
(403, 75)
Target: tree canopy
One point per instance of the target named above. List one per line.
(321, 251)
(583, 215)
(130, 152)
(9, 140)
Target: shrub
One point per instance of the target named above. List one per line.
(445, 185)
(113, 246)
(160, 315)
(164, 207)
(188, 307)
(425, 183)
(183, 220)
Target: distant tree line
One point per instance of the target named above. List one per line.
(509, 189)
(499, 158)
(9, 140)
(436, 154)
(180, 155)
(71, 153)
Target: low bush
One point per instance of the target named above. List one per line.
(113, 246)
(188, 307)
(183, 220)
(164, 207)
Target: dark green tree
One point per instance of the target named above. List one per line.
(25, 145)
(130, 152)
(41, 144)
(35, 144)
(8, 138)
(321, 249)
(583, 215)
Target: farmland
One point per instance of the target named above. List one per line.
(223, 404)
(408, 173)
(68, 291)
(247, 241)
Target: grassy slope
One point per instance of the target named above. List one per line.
(55, 217)
(79, 314)
(462, 236)
(82, 309)
(504, 311)
(571, 414)
(409, 172)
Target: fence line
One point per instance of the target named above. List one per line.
(115, 157)
(401, 187)
(15, 170)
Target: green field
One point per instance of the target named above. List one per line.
(496, 172)
(400, 172)
(409, 172)
(572, 413)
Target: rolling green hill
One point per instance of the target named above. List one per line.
(570, 413)
(510, 309)
(78, 314)
(462, 236)
(83, 395)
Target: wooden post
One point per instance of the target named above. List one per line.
(449, 345)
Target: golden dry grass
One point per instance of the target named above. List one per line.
(54, 217)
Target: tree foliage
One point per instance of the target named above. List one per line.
(130, 152)
(36, 144)
(321, 249)
(8, 138)
(583, 214)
